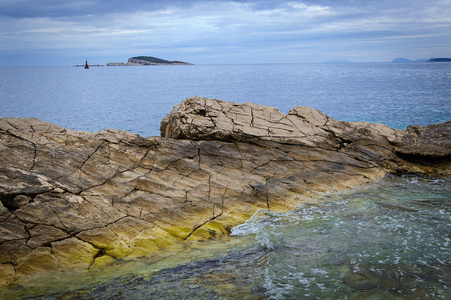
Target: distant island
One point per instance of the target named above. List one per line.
(147, 61)
(444, 59)
(405, 60)
(432, 59)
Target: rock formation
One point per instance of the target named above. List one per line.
(80, 200)
(115, 64)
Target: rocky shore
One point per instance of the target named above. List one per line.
(74, 201)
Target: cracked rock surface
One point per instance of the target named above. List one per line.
(80, 200)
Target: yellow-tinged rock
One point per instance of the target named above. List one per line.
(6, 274)
(180, 232)
(121, 249)
(102, 238)
(101, 262)
(144, 244)
(163, 240)
(151, 242)
(74, 253)
(211, 231)
(39, 262)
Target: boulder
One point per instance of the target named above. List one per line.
(72, 200)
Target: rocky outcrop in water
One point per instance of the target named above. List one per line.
(147, 61)
(80, 200)
(151, 61)
(115, 64)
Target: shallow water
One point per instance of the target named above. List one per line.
(388, 241)
(391, 240)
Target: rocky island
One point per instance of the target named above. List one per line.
(76, 202)
(147, 61)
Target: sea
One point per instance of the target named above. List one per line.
(388, 240)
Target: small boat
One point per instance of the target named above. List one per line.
(86, 65)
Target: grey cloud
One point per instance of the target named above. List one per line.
(224, 28)
(71, 8)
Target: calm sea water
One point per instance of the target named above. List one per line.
(387, 241)
(137, 98)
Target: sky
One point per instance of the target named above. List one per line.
(66, 32)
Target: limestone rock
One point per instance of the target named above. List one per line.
(38, 262)
(432, 141)
(211, 119)
(42, 235)
(424, 149)
(418, 149)
(81, 200)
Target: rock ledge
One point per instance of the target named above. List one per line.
(80, 200)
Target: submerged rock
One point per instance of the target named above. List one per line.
(80, 200)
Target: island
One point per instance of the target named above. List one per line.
(444, 59)
(432, 59)
(147, 61)
(406, 60)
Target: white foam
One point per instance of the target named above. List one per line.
(275, 290)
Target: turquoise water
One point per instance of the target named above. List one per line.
(391, 240)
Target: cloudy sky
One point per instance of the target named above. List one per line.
(65, 32)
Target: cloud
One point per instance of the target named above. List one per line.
(228, 31)
(73, 8)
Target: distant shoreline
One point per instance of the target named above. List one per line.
(432, 59)
(444, 59)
